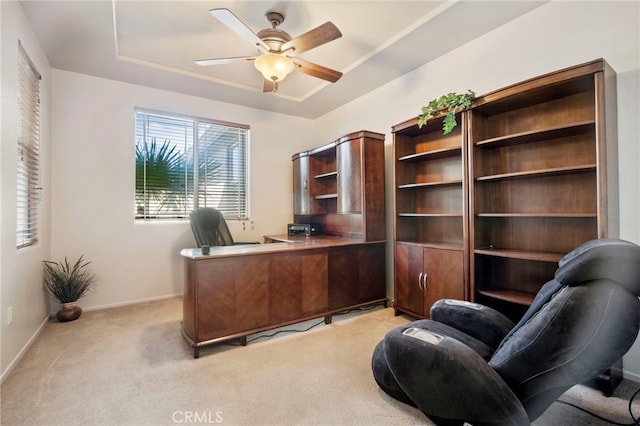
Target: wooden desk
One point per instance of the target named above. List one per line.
(239, 290)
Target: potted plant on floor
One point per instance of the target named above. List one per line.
(67, 284)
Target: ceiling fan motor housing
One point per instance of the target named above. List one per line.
(274, 38)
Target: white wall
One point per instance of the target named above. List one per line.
(554, 36)
(20, 282)
(94, 183)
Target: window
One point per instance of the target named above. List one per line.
(28, 150)
(183, 163)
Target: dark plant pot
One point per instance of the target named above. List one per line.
(69, 312)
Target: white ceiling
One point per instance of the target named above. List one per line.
(154, 43)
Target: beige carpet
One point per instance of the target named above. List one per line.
(130, 366)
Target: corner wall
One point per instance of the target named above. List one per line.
(20, 271)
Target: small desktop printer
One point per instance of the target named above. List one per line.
(305, 229)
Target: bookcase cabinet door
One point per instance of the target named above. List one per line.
(443, 276)
(426, 275)
(408, 291)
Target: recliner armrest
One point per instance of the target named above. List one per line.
(478, 321)
(236, 243)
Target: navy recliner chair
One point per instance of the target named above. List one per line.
(469, 363)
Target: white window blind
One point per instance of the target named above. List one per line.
(183, 163)
(28, 150)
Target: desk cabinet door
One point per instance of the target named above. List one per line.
(298, 286)
(232, 296)
(356, 275)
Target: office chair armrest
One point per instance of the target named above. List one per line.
(478, 321)
(448, 381)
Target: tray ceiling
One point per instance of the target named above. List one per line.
(154, 43)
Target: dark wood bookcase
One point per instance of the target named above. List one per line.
(540, 184)
(430, 210)
(486, 212)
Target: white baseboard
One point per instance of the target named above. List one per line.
(634, 377)
(130, 302)
(24, 349)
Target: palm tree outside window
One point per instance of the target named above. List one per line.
(183, 163)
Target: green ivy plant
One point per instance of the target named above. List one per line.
(452, 103)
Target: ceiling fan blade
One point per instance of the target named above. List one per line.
(316, 70)
(313, 38)
(221, 61)
(269, 86)
(234, 23)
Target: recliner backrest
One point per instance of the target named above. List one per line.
(579, 324)
(611, 259)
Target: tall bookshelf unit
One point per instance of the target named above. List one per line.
(486, 212)
(543, 179)
(430, 210)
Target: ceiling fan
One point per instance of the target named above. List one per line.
(278, 51)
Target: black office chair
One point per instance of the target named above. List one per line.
(469, 363)
(209, 228)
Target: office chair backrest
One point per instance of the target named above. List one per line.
(210, 228)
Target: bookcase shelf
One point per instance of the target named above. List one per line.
(521, 254)
(540, 173)
(331, 174)
(326, 196)
(540, 134)
(425, 184)
(517, 297)
(436, 153)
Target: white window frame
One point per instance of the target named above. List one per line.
(183, 136)
(28, 155)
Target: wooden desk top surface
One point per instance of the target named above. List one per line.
(286, 243)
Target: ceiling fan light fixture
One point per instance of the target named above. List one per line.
(274, 67)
